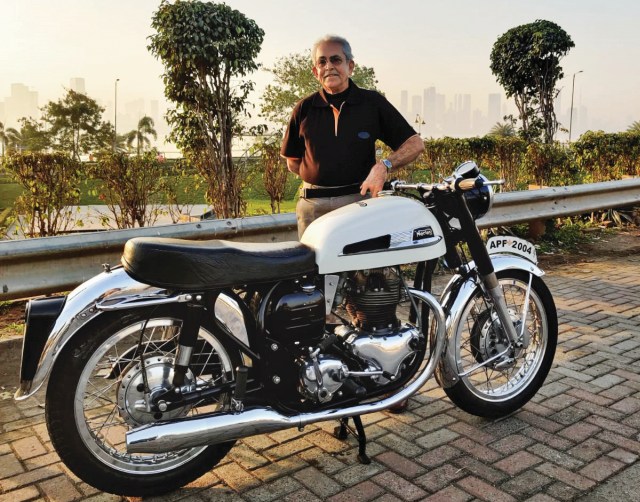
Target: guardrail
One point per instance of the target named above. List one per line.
(33, 267)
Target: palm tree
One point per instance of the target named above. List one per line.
(139, 136)
(502, 130)
(14, 140)
(635, 127)
(4, 139)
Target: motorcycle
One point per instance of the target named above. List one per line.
(156, 367)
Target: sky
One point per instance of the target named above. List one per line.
(411, 44)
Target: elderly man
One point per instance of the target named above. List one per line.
(330, 140)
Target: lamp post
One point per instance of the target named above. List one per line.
(573, 85)
(419, 122)
(115, 115)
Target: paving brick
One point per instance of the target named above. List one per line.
(512, 444)
(538, 421)
(357, 473)
(28, 448)
(279, 468)
(579, 432)
(27, 493)
(555, 456)
(30, 477)
(552, 440)
(438, 456)
(480, 469)
(403, 489)
(321, 460)
(601, 468)
(435, 439)
(623, 455)
(320, 484)
(628, 405)
(359, 493)
(449, 494)
(541, 497)
(526, 484)
(9, 466)
(475, 433)
(59, 489)
(612, 426)
(484, 491)
(439, 478)
(299, 495)
(478, 451)
(570, 478)
(590, 449)
(396, 462)
(236, 477)
(518, 462)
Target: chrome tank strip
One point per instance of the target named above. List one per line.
(225, 426)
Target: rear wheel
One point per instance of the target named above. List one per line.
(495, 379)
(96, 394)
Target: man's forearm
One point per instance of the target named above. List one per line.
(407, 152)
(293, 165)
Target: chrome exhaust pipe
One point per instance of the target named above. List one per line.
(224, 426)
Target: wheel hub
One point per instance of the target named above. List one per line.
(132, 404)
(489, 340)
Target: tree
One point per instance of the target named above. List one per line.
(274, 169)
(51, 184)
(294, 80)
(526, 62)
(4, 139)
(130, 186)
(634, 128)
(74, 119)
(207, 50)
(14, 140)
(139, 136)
(502, 130)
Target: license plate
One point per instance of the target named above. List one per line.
(512, 245)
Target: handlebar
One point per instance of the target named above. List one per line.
(453, 184)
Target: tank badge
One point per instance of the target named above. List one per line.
(362, 204)
(422, 233)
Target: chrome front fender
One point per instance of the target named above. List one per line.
(455, 296)
(109, 289)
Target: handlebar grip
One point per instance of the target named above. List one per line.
(468, 184)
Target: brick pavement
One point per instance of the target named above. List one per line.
(581, 429)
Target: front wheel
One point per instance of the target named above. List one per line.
(96, 393)
(496, 379)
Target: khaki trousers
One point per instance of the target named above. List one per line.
(308, 210)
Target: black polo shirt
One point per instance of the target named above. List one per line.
(337, 147)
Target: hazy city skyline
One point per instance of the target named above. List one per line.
(413, 46)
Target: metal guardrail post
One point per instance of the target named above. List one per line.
(33, 267)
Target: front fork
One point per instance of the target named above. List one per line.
(488, 276)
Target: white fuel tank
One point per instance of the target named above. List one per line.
(380, 232)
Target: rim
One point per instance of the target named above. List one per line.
(477, 342)
(106, 392)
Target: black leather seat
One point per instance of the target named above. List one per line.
(205, 265)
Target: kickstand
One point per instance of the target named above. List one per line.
(343, 431)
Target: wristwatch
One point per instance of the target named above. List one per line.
(387, 163)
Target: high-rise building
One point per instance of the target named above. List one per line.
(494, 106)
(416, 107)
(21, 103)
(429, 110)
(77, 84)
(404, 103)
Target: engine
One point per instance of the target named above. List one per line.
(373, 337)
(367, 349)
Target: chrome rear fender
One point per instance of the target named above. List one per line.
(105, 292)
(455, 296)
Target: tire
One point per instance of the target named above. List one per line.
(497, 388)
(97, 379)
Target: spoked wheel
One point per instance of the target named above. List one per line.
(96, 393)
(496, 379)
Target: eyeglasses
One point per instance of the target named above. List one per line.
(335, 61)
